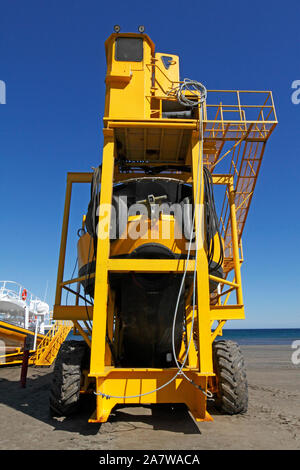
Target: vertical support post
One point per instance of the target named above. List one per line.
(103, 250)
(24, 368)
(35, 332)
(203, 308)
(193, 358)
(63, 242)
(235, 245)
(26, 321)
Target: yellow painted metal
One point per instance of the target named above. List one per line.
(164, 231)
(11, 359)
(73, 312)
(203, 297)
(75, 280)
(128, 82)
(13, 338)
(101, 275)
(166, 73)
(227, 312)
(223, 281)
(218, 330)
(217, 312)
(10, 332)
(235, 132)
(63, 243)
(48, 349)
(129, 382)
(192, 355)
(47, 345)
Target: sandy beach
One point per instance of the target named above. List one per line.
(272, 421)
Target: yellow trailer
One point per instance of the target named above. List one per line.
(13, 337)
(158, 259)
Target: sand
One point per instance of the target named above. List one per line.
(272, 421)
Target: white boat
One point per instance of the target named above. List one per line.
(49, 322)
(19, 307)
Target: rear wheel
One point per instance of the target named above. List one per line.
(230, 370)
(65, 388)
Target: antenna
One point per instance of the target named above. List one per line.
(46, 290)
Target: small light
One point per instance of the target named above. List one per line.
(117, 28)
(141, 28)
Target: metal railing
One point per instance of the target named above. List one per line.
(49, 347)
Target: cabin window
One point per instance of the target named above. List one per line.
(129, 49)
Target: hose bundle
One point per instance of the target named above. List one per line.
(91, 216)
(190, 87)
(212, 221)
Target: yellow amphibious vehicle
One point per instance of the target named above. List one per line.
(159, 262)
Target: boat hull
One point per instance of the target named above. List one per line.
(12, 339)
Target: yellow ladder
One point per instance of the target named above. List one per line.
(48, 348)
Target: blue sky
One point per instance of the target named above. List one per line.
(53, 63)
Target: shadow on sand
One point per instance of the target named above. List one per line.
(34, 401)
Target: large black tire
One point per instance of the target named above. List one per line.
(229, 366)
(65, 389)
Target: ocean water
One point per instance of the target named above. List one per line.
(263, 336)
(276, 336)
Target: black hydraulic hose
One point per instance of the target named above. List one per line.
(91, 217)
(212, 221)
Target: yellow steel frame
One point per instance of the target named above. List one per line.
(78, 312)
(234, 134)
(234, 137)
(47, 350)
(127, 382)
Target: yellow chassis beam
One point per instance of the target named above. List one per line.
(81, 312)
(134, 382)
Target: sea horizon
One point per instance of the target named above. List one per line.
(262, 336)
(251, 336)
